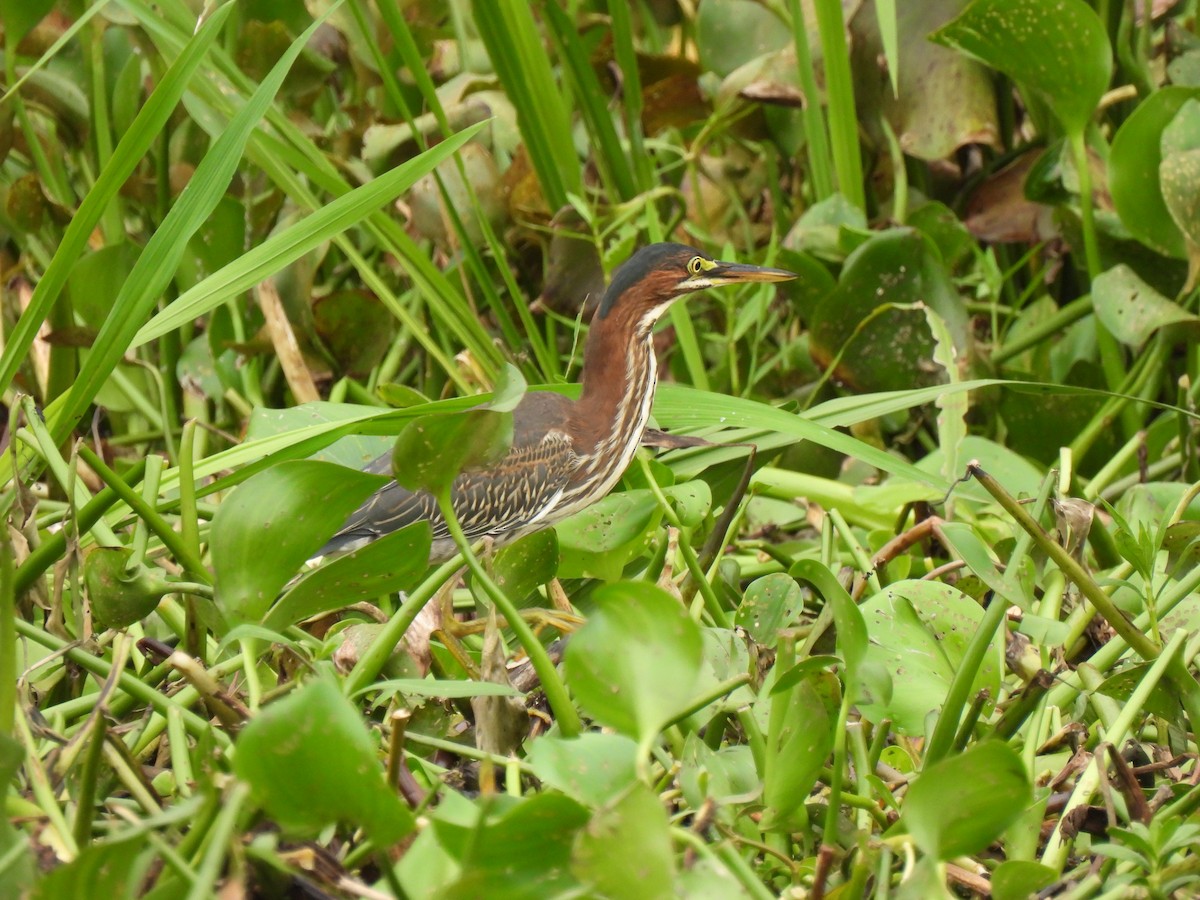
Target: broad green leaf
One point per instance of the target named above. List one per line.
(120, 597)
(919, 631)
(726, 776)
(851, 627)
(1179, 177)
(432, 451)
(793, 764)
(1131, 309)
(944, 100)
(636, 663)
(625, 850)
(265, 530)
(962, 803)
(310, 762)
(521, 853)
(522, 567)
(1059, 50)
(592, 768)
(731, 34)
(872, 328)
(391, 563)
(771, 603)
(599, 540)
(1019, 879)
(1133, 170)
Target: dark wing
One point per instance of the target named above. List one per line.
(516, 492)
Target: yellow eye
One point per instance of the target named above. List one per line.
(695, 265)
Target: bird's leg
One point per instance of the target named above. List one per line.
(558, 597)
(666, 580)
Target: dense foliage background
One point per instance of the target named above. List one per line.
(935, 637)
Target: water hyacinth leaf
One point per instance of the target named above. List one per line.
(919, 631)
(951, 809)
(522, 567)
(1059, 51)
(1131, 309)
(120, 596)
(872, 328)
(392, 563)
(1179, 177)
(852, 633)
(636, 831)
(599, 540)
(356, 328)
(793, 764)
(769, 605)
(266, 529)
(592, 768)
(522, 853)
(1133, 170)
(432, 451)
(310, 762)
(1018, 879)
(636, 663)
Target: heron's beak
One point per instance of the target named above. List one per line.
(737, 273)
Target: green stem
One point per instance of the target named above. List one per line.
(199, 727)
(1184, 681)
(171, 539)
(817, 140)
(843, 122)
(371, 663)
(942, 739)
(556, 692)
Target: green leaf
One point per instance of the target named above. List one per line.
(1131, 309)
(120, 597)
(919, 631)
(851, 627)
(432, 451)
(961, 804)
(794, 762)
(391, 563)
(770, 604)
(521, 854)
(266, 529)
(523, 566)
(310, 762)
(872, 328)
(1059, 51)
(625, 851)
(1133, 170)
(635, 664)
(1179, 177)
(592, 768)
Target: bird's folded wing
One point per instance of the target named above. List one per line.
(521, 490)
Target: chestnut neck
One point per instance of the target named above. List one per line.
(619, 377)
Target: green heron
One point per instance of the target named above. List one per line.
(565, 454)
